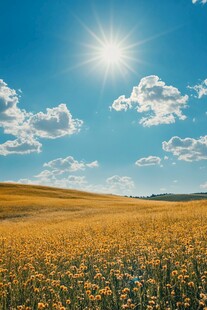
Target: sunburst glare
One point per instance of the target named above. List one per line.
(110, 52)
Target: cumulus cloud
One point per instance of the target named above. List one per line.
(119, 184)
(148, 161)
(122, 104)
(10, 114)
(199, 1)
(200, 89)
(68, 164)
(28, 127)
(56, 122)
(160, 103)
(188, 149)
(20, 146)
(204, 186)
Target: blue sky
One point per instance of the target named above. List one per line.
(106, 96)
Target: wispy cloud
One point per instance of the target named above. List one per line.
(148, 161)
(199, 1)
(200, 89)
(204, 186)
(61, 172)
(48, 179)
(115, 184)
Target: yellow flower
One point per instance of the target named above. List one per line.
(123, 296)
(98, 297)
(174, 272)
(40, 305)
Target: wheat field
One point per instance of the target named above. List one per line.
(64, 249)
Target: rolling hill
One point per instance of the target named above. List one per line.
(23, 201)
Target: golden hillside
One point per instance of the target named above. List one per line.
(71, 250)
(19, 201)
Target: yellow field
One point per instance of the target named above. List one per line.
(70, 250)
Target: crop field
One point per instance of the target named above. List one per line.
(72, 250)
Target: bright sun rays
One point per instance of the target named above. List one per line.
(108, 52)
(111, 55)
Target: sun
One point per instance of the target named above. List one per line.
(111, 54)
(108, 51)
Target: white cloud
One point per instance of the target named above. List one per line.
(200, 89)
(56, 122)
(20, 146)
(160, 103)
(187, 149)
(112, 185)
(49, 178)
(204, 186)
(10, 114)
(57, 172)
(76, 180)
(73, 182)
(27, 127)
(45, 175)
(68, 164)
(122, 104)
(93, 164)
(200, 1)
(24, 181)
(148, 161)
(117, 184)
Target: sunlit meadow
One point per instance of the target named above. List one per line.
(71, 250)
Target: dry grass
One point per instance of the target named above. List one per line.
(72, 250)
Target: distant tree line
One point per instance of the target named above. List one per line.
(162, 194)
